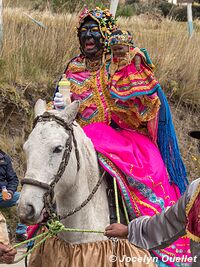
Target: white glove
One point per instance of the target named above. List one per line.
(59, 101)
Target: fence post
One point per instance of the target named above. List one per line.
(189, 18)
(1, 24)
(113, 7)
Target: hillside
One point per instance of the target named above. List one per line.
(33, 58)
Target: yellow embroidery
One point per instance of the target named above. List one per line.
(96, 77)
(76, 66)
(131, 115)
(143, 203)
(79, 89)
(168, 253)
(136, 77)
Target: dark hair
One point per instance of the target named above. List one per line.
(119, 32)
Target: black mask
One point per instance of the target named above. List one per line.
(90, 39)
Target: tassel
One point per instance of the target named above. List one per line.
(168, 145)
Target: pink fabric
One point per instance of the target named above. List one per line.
(31, 230)
(138, 81)
(135, 155)
(138, 158)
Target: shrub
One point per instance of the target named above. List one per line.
(166, 8)
(126, 11)
(179, 13)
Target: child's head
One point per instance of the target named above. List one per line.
(120, 41)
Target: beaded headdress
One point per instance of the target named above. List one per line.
(120, 37)
(105, 20)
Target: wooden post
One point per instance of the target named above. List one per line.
(189, 14)
(113, 7)
(1, 24)
(189, 18)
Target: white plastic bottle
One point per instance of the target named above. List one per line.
(64, 89)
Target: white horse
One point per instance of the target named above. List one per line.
(44, 151)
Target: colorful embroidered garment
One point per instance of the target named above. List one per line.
(136, 91)
(98, 106)
(128, 82)
(134, 160)
(128, 102)
(131, 80)
(126, 154)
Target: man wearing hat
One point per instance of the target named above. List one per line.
(161, 230)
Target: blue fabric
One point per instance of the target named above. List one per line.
(8, 176)
(9, 203)
(21, 228)
(148, 60)
(168, 145)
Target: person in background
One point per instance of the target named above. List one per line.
(161, 230)
(8, 194)
(7, 253)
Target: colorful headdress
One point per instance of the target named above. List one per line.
(120, 37)
(105, 20)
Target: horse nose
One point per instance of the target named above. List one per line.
(27, 214)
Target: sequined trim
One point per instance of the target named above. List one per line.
(77, 66)
(147, 193)
(105, 162)
(90, 117)
(170, 259)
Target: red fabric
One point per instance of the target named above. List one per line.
(194, 218)
(31, 230)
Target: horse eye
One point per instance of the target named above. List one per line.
(58, 149)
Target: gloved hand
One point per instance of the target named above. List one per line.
(58, 101)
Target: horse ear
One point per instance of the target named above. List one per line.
(40, 107)
(70, 112)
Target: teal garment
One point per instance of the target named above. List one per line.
(148, 60)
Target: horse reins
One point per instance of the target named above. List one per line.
(49, 195)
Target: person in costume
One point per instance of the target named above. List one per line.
(144, 172)
(163, 229)
(132, 84)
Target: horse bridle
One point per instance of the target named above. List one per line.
(49, 195)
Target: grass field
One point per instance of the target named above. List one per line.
(33, 58)
(33, 54)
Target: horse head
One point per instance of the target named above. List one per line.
(44, 151)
